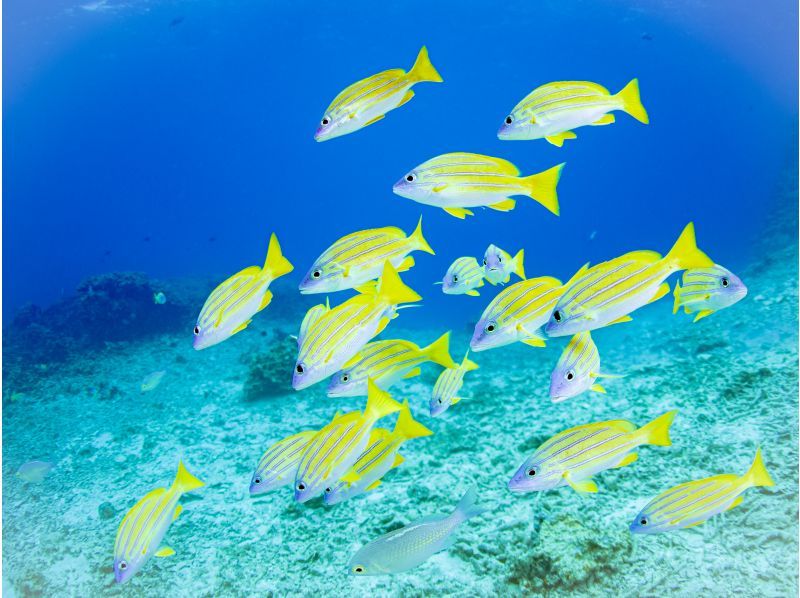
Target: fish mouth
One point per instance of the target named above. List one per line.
(516, 488)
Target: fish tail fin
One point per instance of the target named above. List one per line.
(379, 402)
(423, 69)
(632, 103)
(685, 253)
(519, 266)
(185, 481)
(419, 241)
(393, 289)
(276, 265)
(542, 187)
(466, 507)
(407, 427)
(468, 365)
(758, 475)
(657, 431)
(439, 351)
(677, 294)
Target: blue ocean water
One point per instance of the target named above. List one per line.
(154, 146)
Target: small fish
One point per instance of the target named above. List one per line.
(455, 182)
(337, 446)
(448, 384)
(232, 305)
(553, 110)
(462, 278)
(387, 362)
(577, 369)
(144, 526)
(695, 502)
(329, 338)
(706, 290)
(573, 456)
(413, 544)
(518, 313)
(606, 293)
(159, 298)
(380, 456)
(358, 258)
(498, 265)
(34, 471)
(152, 380)
(278, 466)
(367, 101)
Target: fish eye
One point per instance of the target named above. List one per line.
(570, 375)
(345, 378)
(301, 486)
(257, 480)
(490, 327)
(643, 521)
(316, 274)
(499, 259)
(440, 400)
(455, 278)
(484, 261)
(196, 330)
(532, 471)
(557, 316)
(300, 369)
(325, 121)
(328, 490)
(358, 569)
(725, 281)
(123, 565)
(509, 120)
(411, 177)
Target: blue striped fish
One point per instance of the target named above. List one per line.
(462, 277)
(518, 313)
(695, 502)
(337, 446)
(577, 369)
(375, 462)
(706, 290)
(460, 180)
(449, 382)
(367, 101)
(553, 110)
(387, 362)
(358, 258)
(278, 466)
(232, 305)
(572, 457)
(498, 265)
(144, 526)
(329, 338)
(608, 292)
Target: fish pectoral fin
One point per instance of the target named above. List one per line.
(455, 400)
(439, 188)
(735, 503)
(373, 121)
(694, 524)
(597, 388)
(372, 486)
(581, 486)
(505, 205)
(458, 212)
(702, 314)
(627, 460)
(413, 373)
(350, 477)
(606, 119)
(406, 98)
(266, 300)
(534, 342)
(240, 327)
(398, 459)
(663, 289)
(621, 320)
(558, 140)
(472, 293)
(164, 551)
(406, 264)
(178, 511)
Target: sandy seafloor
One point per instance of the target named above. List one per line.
(733, 378)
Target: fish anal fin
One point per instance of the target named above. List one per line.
(374, 120)
(240, 327)
(505, 205)
(606, 119)
(164, 551)
(178, 511)
(266, 300)
(472, 293)
(627, 460)
(737, 501)
(620, 320)
(558, 139)
(373, 485)
(381, 325)
(398, 459)
(413, 373)
(663, 290)
(406, 264)
(406, 98)
(458, 212)
(702, 314)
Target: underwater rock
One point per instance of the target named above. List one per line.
(269, 372)
(106, 510)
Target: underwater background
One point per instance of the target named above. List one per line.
(152, 147)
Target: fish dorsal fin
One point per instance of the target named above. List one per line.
(481, 163)
(642, 255)
(311, 317)
(581, 271)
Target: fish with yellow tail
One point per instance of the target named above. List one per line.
(358, 258)
(231, 306)
(375, 462)
(606, 293)
(459, 181)
(278, 465)
(706, 290)
(577, 369)
(337, 446)
(463, 277)
(143, 528)
(693, 503)
(448, 385)
(330, 337)
(498, 265)
(367, 101)
(386, 363)
(413, 544)
(573, 456)
(519, 312)
(553, 110)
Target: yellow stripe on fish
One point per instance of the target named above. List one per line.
(573, 456)
(232, 305)
(606, 293)
(448, 384)
(387, 362)
(553, 110)
(706, 290)
(358, 258)
(278, 466)
(368, 100)
(693, 503)
(577, 369)
(457, 181)
(335, 448)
